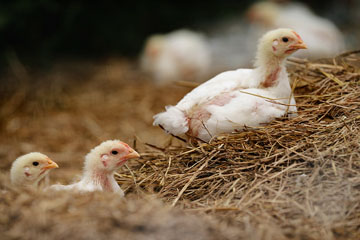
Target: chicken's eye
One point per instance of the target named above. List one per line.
(114, 152)
(285, 39)
(35, 163)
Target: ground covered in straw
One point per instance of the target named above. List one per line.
(295, 178)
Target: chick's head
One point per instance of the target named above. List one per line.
(30, 168)
(154, 46)
(281, 43)
(109, 156)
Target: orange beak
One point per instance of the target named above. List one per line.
(50, 164)
(299, 45)
(132, 154)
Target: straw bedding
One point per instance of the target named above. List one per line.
(296, 178)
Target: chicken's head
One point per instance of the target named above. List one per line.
(109, 156)
(30, 168)
(154, 46)
(281, 43)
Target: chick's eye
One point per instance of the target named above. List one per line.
(285, 39)
(114, 152)
(35, 163)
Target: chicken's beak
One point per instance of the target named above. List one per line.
(50, 164)
(299, 45)
(132, 154)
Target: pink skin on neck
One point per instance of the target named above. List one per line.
(271, 78)
(102, 178)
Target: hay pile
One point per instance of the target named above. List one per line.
(295, 178)
(301, 175)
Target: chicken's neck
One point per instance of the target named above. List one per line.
(101, 178)
(269, 68)
(38, 181)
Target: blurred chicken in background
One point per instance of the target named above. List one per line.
(231, 42)
(179, 55)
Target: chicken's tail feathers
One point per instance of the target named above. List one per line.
(173, 121)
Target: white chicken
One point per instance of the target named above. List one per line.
(243, 97)
(30, 169)
(99, 168)
(322, 37)
(179, 55)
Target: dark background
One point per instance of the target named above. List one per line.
(41, 31)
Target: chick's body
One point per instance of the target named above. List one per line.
(234, 99)
(99, 168)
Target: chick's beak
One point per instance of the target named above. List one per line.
(132, 154)
(299, 45)
(50, 164)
